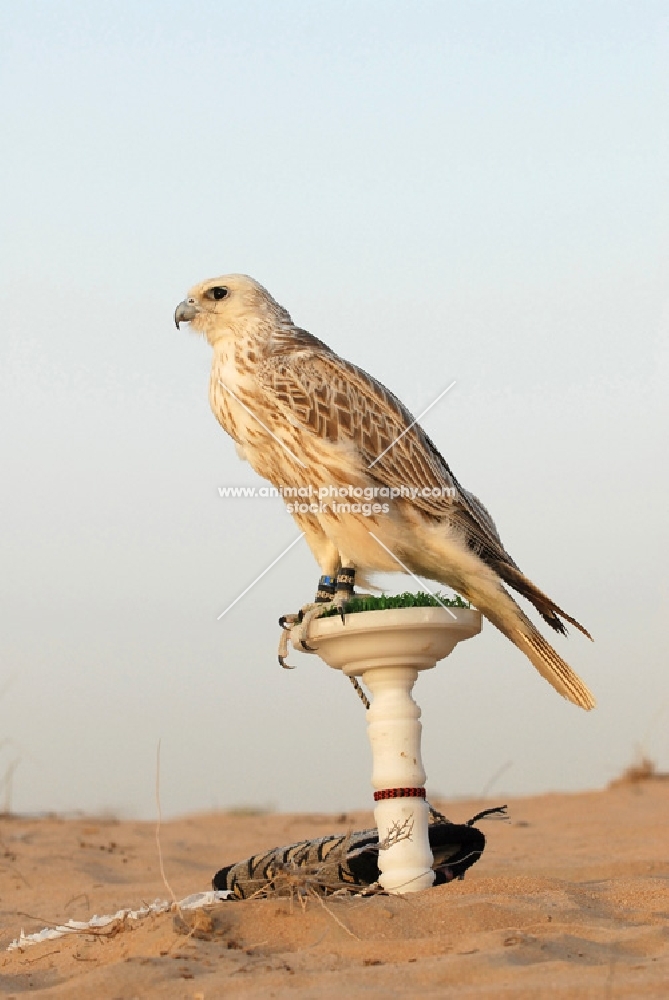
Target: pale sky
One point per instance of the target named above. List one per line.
(439, 190)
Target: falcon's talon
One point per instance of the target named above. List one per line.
(302, 622)
(283, 648)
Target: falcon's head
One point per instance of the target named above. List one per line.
(220, 307)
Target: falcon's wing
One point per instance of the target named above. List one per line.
(339, 402)
(329, 397)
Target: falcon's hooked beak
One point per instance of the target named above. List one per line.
(185, 312)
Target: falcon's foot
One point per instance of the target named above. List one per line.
(330, 594)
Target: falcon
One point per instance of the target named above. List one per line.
(307, 420)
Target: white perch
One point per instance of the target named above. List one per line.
(387, 649)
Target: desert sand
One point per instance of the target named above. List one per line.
(570, 899)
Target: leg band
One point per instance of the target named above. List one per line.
(326, 589)
(346, 581)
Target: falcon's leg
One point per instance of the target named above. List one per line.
(331, 593)
(324, 595)
(343, 592)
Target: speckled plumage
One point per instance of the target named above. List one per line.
(316, 419)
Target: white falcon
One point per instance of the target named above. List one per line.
(302, 416)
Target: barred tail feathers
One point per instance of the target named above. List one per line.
(551, 666)
(547, 608)
(493, 601)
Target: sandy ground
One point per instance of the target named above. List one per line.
(570, 899)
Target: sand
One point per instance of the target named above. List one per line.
(570, 899)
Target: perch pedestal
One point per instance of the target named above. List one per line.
(387, 649)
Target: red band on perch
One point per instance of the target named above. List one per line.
(399, 793)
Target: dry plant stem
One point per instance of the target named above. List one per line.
(179, 939)
(40, 920)
(487, 788)
(293, 880)
(397, 832)
(7, 784)
(159, 821)
(45, 955)
(80, 895)
(303, 891)
(182, 939)
(334, 916)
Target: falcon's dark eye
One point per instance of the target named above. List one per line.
(218, 292)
